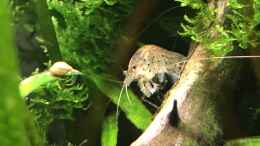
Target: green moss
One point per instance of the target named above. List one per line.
(211, 128)
(86, 32)
(237, 29)
(91, 29)
(58, 100)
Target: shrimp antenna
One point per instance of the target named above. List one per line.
(118, 101)
(127, 95)
(229, 57)
(222, 57)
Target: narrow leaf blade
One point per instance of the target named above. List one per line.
(110, 131)
(135, 111)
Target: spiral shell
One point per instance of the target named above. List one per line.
(60, 68)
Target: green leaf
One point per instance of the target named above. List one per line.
(110, 2)
(58, 69)
(235, 4)
(189, 20)
(195, 4)
(135, 111)
(35, 82)
(110, 131)
(254, 141)
(16, 127)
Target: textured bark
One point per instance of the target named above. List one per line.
(198, 109)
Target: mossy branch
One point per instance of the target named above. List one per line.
(195, 110)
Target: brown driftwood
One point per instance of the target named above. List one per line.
(198, 109)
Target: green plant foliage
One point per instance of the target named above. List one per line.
(196, 27)
(195, 4)
(110, 2)
(16, 127)
(254, 141)
(34, 82)
(135, 111)
(236, 30)
(257, 11)
(91, 27)
(58, 100)
(86, 32)
(37, 80)
(256, 23)
(109, 131)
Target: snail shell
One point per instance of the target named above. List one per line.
(60, 68)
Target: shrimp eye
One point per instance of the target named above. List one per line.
(134, 67)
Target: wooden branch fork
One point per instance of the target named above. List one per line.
(197, 110)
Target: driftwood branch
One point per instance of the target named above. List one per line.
(197, 109)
